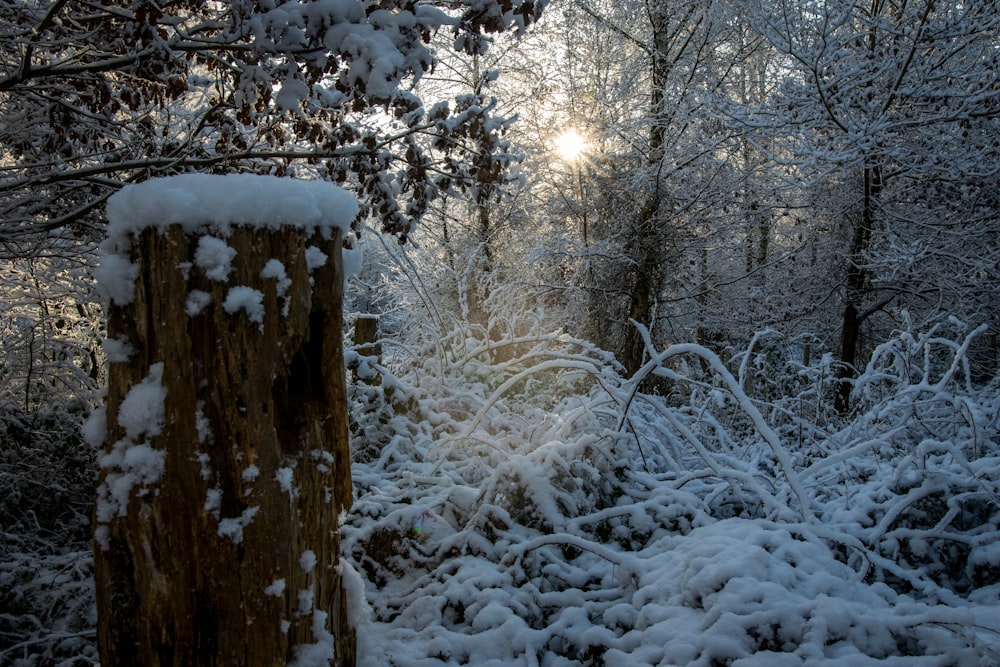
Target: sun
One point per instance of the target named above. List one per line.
(570, 145)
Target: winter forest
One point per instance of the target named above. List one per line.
(687, 314)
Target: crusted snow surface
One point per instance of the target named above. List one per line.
(118, 349)
(315, 258)
(358, 610)
(115, 276)
(204, 203)
(214, 257)
(307, 561)
(275, 270)
(321, 651)
(232, 527)
(276, 588)
(306, 599)
(196, 302)
(285, 477)
(248, 300)
(213, 501)
(202, 424)
(142, 409)
(95, 429)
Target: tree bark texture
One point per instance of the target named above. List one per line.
(231, 556)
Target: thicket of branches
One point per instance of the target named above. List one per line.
(519, 494)
(519, 497)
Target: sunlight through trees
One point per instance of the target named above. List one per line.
(571, 145)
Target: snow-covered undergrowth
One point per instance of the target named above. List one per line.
(519, 502)
(47, 612)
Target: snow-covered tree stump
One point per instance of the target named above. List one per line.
(225, 462)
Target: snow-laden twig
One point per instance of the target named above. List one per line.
(776, 507)
(552, 364)
(748, 354)
(565, 539)
(655, 366)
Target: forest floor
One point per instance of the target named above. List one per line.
(531, 506)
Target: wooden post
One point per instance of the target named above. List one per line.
(366, 335)
(226, 464)
(366, 342)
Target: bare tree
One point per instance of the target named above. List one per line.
(659, 174)
(896, 103)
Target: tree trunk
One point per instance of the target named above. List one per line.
(226, 552)
(646, 244)
(643, 298)
(857, 287)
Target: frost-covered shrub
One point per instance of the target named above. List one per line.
(605, 525)
(373, 415)
(49, 369)
(914, 476)
(47, 612)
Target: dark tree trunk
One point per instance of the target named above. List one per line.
(647, 232)
(857, 288)
(231, 556)
(646, 287)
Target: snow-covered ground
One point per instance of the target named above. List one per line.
(521, 503)
(542, 511)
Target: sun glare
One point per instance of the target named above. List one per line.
(570, 145)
